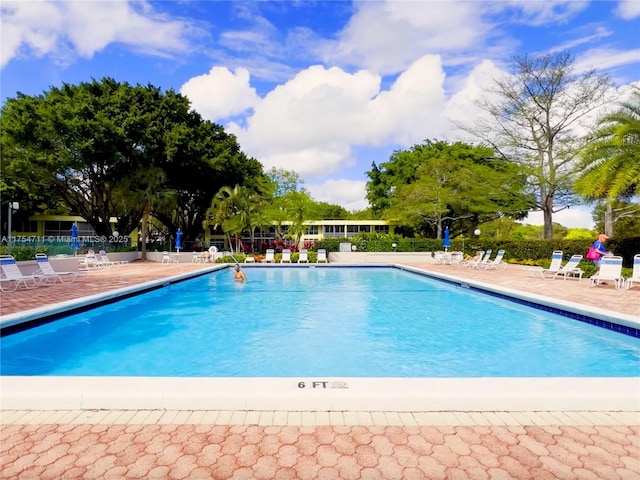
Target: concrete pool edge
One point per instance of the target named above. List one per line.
(321, 394)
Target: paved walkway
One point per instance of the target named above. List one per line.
(280, 445)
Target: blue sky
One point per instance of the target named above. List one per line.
(320, 87)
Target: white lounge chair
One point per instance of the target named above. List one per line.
(473, 261)
(286, 256)
(555, 266)
(110, 263)
(322, 256)
(635, 274)
(269, 256)
(304, 256)
(482, 262)
(13, 277)
(495, 263)
(46, 270)
(250, 259)
(90, 262)
(213, 253)
(570, 269)
(610, 270)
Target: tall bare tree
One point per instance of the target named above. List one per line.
(536, 117)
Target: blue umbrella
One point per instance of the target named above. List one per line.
(75, 245)
(446, 243)
(178, 240)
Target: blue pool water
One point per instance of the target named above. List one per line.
(300, 322)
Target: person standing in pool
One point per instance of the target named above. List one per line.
(239, 275)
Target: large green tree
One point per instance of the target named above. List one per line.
(82, 143)
(532, 119)
(438, 183)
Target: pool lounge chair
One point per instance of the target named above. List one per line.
(322, 256)
(13, 277)
(555, 266)
(610, 270)
(495, 263)
(250, 259)
(110, 263)
(269, 256)
(570, 269)
(635, 274)
(476, 259)
(90, 262)
(304, 256)
(286, 256)
(481, 262)
(46, 270)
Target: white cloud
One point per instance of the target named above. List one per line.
(348, 193)
(605, 59)
(386, 37)
(628, 9)
(206, 93)
(67, 29)
(544, 12)
(310, 123)
(574, 217)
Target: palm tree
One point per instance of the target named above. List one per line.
(236, 210)
(610, 161)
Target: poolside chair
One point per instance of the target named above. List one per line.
(482, 261)
(46, 270)
(286, 256)
(456, 258)
(570, 269)
(13, 277)
(250, 259)
(610, 270)
(495, 263)
(475, 260)
(635, 274)
(109, 263)
(90, 262)
(322, 256)
(213, 253)
(269, 256)
(304, 256)
(554, 267)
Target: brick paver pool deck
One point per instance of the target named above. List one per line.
(166, 444)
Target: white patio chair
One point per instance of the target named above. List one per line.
(635, 274)
(269, 256)
(286, 256)
(495, 263)
(570, 269)
(12, 276)
(304, 256)
(322, 256)
(610, 270)
(46, 270)
(555, 266)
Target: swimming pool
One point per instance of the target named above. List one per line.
(339, 322)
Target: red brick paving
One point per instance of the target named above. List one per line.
(322, 452)
(331, 452)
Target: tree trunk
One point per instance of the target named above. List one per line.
(608, 219)
(145, 226)
(547, 214)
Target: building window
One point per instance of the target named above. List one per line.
(334, 231)
(382, 228)
(311, 230)
(355, 229)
